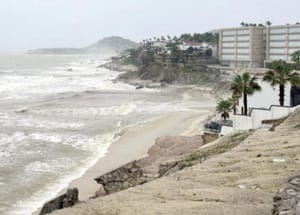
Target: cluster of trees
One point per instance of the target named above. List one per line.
(245, 24)
(187, 37)
(243, 85)
(199, 38)
(268, 23)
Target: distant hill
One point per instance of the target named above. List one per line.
(109, 45)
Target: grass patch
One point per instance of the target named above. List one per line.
(224, 145)
(219, 148)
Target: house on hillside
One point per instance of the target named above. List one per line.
(196, 46)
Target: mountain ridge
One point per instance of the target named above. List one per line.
(111, 45)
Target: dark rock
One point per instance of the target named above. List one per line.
(122, 178)
(139, 87)
(66, 200)
(287, 200)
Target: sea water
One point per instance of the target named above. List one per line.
(58, 116)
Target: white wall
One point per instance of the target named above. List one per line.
(267, 96)
(226, 130)
(254, 121)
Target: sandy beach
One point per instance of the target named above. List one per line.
(135, 143)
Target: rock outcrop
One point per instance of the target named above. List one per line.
(125, 177)
(66, 200)
(287, 200)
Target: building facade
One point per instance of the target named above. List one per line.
(253, 46)
(281, 42)
(242, 47)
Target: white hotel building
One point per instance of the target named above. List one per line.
(281, 42)
(254, 46)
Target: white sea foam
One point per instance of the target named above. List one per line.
(99, 147)
(47, 133)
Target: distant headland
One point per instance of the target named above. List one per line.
(113, 45)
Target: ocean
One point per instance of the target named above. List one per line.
(58, 116)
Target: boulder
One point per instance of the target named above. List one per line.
(66, 200)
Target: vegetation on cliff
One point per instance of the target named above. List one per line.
(180, 60)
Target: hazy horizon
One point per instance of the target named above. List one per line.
(35, 24)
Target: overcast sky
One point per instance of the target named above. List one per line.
(28, 24)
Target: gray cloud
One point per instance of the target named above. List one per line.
(75, 23)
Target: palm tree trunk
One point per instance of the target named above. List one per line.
(225, 116)
(245, 104)
(281, 94)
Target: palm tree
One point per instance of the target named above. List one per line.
(281, 74)
(245, 85)
(268, 23)
(234, 100)
(224, 107)
(296, 57)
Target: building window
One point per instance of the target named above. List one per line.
(228, 51)
(246, 31)
(232, 32)
(294, 30)
(291, 51)
(277, 44)
(294, 44)
(229, 45)
(278, 51)
(243, 51)
(243, 57)
(243, 38)
(228, 57)
(228, 39)
(294, 37)
(278, 30)
(278, 57)
(278, 37)
(243, 44)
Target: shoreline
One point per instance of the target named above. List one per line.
(136, 141)
(134, 144)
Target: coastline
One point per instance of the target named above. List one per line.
(135, 143)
